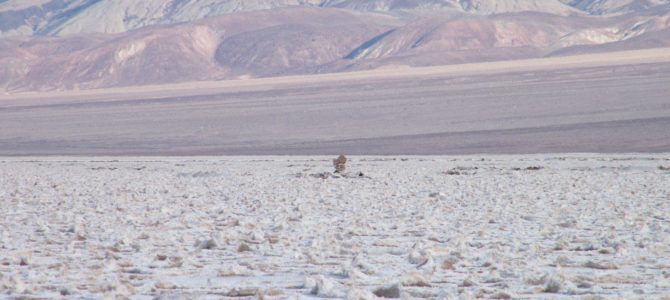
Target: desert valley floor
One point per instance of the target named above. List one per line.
(605, 103)
(539, 226)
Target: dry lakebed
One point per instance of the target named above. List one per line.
(271, 227)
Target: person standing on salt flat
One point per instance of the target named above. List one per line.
(340, 164)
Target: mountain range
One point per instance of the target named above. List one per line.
(85, 44)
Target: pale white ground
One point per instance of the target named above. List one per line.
(437, 227)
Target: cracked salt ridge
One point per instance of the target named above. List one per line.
(580, 225)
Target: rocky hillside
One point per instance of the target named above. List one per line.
(69, 44)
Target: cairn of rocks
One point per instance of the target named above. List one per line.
(340, 164)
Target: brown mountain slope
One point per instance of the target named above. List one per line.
(209, 49)
(310, 40)
(657, 39)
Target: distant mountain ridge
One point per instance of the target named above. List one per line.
(84, 44)
(65, 17)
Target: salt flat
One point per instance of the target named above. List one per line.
(539, 226)
(606, 103)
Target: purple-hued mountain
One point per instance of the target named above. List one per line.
(83, 44)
